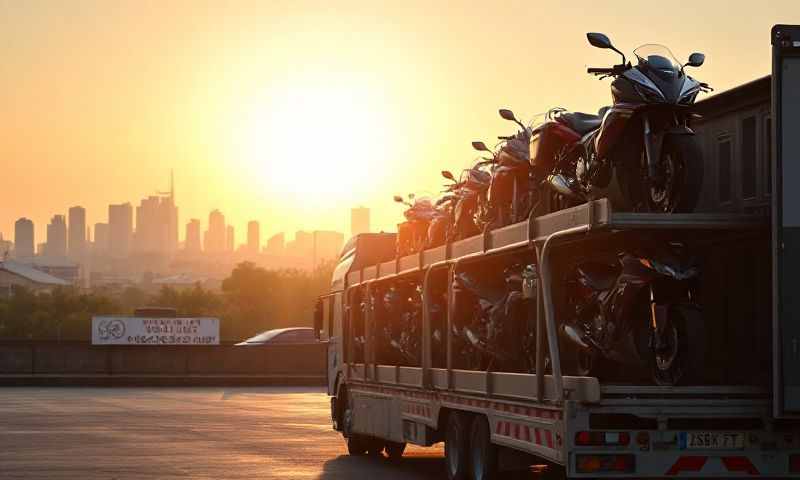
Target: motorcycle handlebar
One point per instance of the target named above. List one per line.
(600, 70)
(500, 137)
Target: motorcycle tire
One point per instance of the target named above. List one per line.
(681, 363)
(682, 159)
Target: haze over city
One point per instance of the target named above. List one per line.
(292, 113)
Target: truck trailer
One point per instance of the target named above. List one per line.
(738, 416)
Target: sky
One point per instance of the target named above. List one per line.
(291, 113)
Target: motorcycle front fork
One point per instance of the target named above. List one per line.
(658, 321)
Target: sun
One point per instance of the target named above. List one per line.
(315, 142)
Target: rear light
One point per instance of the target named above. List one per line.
(596, 439)
(605, 463)
(794, 463)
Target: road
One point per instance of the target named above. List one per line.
(214, 433)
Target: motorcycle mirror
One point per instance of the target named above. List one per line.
(598, 40)
(480, 146)
(411, 196)
(398, 199)
(448, 175)
(507, 114)
(696, 59)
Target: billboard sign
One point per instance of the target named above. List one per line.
(110, 330)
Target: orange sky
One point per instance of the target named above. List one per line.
(292, 112)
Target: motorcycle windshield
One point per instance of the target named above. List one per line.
(659, 65)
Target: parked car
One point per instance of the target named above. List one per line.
(282, 336)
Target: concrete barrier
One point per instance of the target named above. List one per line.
(55, 363)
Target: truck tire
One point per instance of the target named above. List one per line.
(483, 453)
(357, 445)
(394, 450)
(456, 446)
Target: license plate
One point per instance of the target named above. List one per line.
(710, 440)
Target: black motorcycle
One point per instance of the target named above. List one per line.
(490, 321)
(637, 310)
(644, 137)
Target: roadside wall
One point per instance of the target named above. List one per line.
(217, 363)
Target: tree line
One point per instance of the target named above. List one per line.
(252, 299)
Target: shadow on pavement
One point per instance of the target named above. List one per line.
(413, 467)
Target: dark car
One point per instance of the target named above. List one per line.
(282, 336)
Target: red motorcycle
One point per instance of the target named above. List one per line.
(412, 234)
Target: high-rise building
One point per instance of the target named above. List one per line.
(77, 233)
(23, 238)
(157, 224)
(100, 246)
(214, 241)
(359, 220)
(275, 244)
(193, 244)
(253, 237)
(120, 230)
(56, 237)
(230, 239)
(5, 248)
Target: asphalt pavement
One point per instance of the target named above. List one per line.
(186, 432)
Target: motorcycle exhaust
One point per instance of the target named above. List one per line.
(574, 336)
(563, 185)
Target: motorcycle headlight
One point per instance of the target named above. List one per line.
(675, 272)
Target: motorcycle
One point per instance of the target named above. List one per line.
(412, 234)
(402, 331)
(644, 138)
(439, 230)
(471, 203)
(637, 311)
(513, 191)
(491, 321)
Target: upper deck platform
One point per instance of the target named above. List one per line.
(596, 216)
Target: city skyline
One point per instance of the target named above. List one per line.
(120, 236)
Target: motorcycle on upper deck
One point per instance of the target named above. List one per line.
(513, 192)
(644, 138)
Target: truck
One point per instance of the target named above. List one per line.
(742, 419)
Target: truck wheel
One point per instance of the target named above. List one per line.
(357, 445)
(483, 453)
(394, 450)
(456, 446)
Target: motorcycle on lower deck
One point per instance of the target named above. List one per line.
(636, 310)
(644, 138)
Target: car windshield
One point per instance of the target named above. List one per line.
(656, 56)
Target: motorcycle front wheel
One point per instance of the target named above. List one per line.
(680, 356)
(680, 178)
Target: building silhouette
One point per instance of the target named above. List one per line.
(56, 245)
(230, 239)
(253, 237)
(120, 230)
(275, 244)
(214, 241)
(359, 221)
(101, 240)
(192, 243)
(23, 238)
(76, 244)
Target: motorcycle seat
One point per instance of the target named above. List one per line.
(598, 276)
(581, 123)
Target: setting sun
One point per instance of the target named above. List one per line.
(318, 143)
